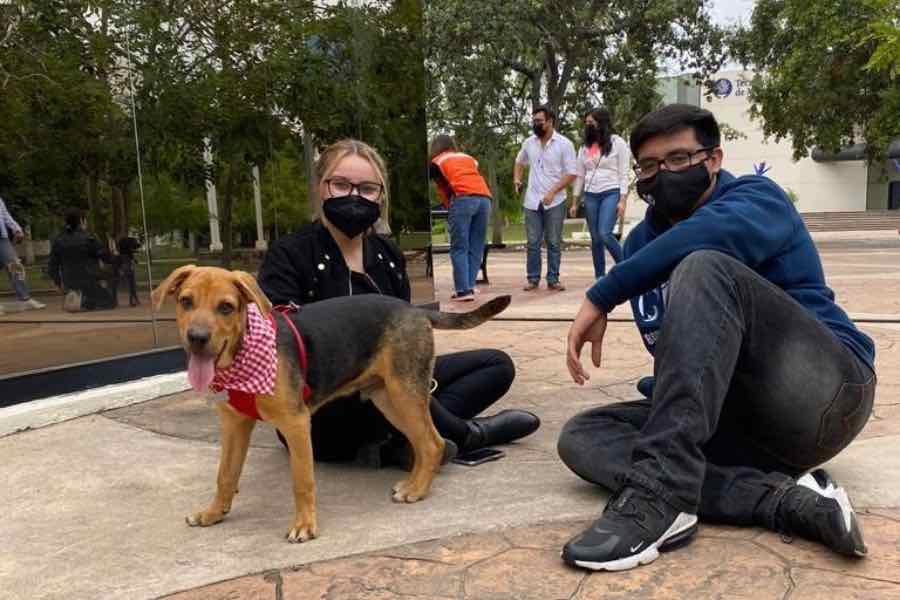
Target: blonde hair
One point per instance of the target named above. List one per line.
(338, 151)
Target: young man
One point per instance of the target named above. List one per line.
(11, 232)
(73, 264)
(759, 375)
(550, 158)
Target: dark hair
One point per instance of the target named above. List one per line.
(672, 119)
(441, 143)
(604, 128)
(548, 112)
(73, 219)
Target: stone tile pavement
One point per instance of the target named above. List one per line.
(94, 506)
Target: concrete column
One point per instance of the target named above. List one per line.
(257, 205)
(215, 239)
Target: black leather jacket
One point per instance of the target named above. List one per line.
(307, 266)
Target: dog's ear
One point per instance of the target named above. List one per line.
(250, 290)
(170, 284)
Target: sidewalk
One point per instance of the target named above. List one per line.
(95, 506)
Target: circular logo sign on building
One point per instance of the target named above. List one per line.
(722, 88)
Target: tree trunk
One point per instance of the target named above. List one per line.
(496, 215)
(309, 151)
(225, 217)
(93, 194)
(119, 213)
(29, 246)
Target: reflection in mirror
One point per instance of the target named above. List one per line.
(68, 179)
(232, 107)
(235, 105)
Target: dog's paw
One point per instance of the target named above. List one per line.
(405, 492)
(204, 518)
(302, 533)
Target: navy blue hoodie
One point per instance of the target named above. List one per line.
(749, 218)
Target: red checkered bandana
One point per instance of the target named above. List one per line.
(254, 367)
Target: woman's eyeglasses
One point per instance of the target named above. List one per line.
(338, 186)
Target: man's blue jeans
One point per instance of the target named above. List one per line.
(600, 212)
(467, 221)
(751, 390)
(544, 224)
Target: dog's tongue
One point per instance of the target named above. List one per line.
(201, 371)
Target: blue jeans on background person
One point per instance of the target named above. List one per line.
(544, 224)
(600, 212)
(8, 257)
(467, 221)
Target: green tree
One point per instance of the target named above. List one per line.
(490, 65)
(64, 133)
(826, 72)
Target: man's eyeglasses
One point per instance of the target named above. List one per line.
(338, 186)
(675, 161)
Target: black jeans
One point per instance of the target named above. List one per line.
(750, 391)
(468, 383)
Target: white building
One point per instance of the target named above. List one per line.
(820, 183)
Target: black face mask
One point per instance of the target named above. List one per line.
(590, 135)
(352, 215)
(673, 194)
(538, 130)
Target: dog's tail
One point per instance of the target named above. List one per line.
(445, 320)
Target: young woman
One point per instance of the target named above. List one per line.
(467, 197)
(603, 173)
(340, 255)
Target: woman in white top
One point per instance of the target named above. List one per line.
(603, 173)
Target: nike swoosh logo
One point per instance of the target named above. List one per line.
(636, 548)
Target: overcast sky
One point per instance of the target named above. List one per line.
(729, 12)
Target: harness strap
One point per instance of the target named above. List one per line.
(301, 347)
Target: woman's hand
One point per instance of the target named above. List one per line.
(573, 210)
(620, 209)
(589, 326)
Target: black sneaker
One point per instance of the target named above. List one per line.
(634, 528)
(818, 509)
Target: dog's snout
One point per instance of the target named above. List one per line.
(198, 336)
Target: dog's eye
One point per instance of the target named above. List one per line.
(225, 308)
(187, 303)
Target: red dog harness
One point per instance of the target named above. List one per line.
(256, 364)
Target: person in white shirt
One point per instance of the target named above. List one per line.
(550, 158)
(603, 174)
(11, 233)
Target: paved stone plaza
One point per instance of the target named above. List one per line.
(94, 507)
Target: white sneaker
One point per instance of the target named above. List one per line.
(34, 304)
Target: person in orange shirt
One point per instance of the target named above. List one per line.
(467, 197)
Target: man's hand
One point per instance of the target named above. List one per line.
(18, 237)
(573, 211)
(620, 209)
(518, 186)
(589, 326)
(548, 198)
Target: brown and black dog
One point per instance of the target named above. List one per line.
(379, 345)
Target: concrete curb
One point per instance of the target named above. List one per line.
(56, 409)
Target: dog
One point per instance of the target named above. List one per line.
(380, 346)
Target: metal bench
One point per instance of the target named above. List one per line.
(862, 220)
(441, 213)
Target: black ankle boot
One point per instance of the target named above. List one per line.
(502, 428)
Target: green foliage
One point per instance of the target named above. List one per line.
(249, 77)
(826, 72)
(488, 64)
